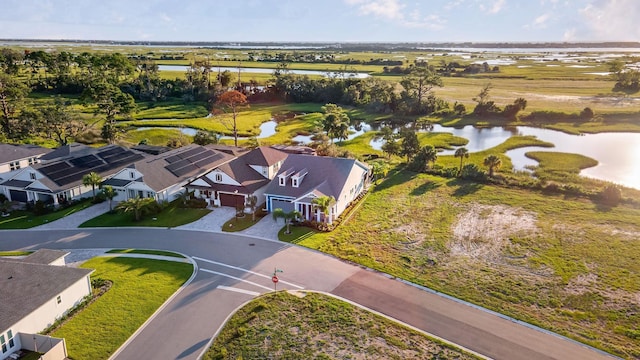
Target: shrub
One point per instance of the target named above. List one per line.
(194, 203)
(611, 195)
(99, 198)
(472, 172)
(3, 198)
(41, 208)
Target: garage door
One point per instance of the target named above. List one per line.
(18, 195)
(231, 200)
(286, 206)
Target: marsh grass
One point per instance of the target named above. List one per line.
(576, 274)
(316, 326)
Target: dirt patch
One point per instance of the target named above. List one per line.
(482, 231)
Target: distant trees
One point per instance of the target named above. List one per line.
(417, 95)
(335, 122)
(12, 93)
(226, 111)
(424, 159)
(487, 107)
(111, 102)
(627, 79)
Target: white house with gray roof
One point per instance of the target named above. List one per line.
(34, 292)
(303, 178)
(163, 176)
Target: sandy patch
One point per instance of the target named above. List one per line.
(482, 231)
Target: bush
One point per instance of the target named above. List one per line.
(3, 198)
(41, 208)
(611, 195)
(472, 172)
(99, 198)
(194, 203)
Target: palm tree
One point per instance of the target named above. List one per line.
(92, 179)
(493, 162)
(109, 192)
(461, 153)
(252, 203)
(138, 206)
(287, 216)
(324, 204)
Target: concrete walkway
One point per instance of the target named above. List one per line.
(74, 220)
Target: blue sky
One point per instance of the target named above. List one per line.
(323, 20)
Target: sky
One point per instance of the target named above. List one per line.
(323, 20)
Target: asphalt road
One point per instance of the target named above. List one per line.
(233, 269)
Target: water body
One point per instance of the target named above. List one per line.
(232, 69)
(266, 129)
(618, 154)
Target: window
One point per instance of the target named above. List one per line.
(33, 161)
(15, 165)
(3, 343)
(132, 174)
(10, 336)
(282, 180)
(32, 176)
(218, 177)
(294, 182)
(59, 299)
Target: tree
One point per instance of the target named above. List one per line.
(417, 87)
(287, 216)
(335, 122)
(391, 147)
(138, 206)
(206, 137)
(92, 179)
(109, 192)
(493, 162)
(12, 92)
(324, 204)
(111, 102)
(230, 103)
(380, 170)
(462, 153)
(57, 124)
(422, 160)
(410, 143)
(485, 106)
(252, 203)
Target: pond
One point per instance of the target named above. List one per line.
(618, 154)
(266, 129)
(184, 68)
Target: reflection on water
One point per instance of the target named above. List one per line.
(184, 68)
(617, 153)
(266, 129)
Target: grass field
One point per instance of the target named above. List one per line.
(144, 252)
(565, 264)
(171, 216)
(316, 326)
(21, 219)
(139, 287)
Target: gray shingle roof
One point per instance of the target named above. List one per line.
(25, 287)
(9, 152)
(44, 256)
(326, 175)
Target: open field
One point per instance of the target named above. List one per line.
(315, 326)
(566, 264)
(139, 287)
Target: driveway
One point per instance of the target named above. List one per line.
(266, 228)
(74, 220)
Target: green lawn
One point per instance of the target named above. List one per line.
(146, 252)
(25, 219)
(320, 327)
(139, 287)
(171, 216)
(298, 233)
(566, 264)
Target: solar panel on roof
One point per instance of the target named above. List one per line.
(111, 152)
(189, 153)
(172, 159)
(184, 170)
(86, 161)
(177, 165)
(121, 156)
(209, 160)
(53, 168)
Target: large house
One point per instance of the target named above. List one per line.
(163, 176)
(303, 178)
(58, 177)
(16, 157)
(230, 184)
(34, 292)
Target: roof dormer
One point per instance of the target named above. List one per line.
(296, 178)
(282, 178)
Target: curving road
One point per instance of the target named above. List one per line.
(233, 269)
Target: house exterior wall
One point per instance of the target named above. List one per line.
(225, 179)
(354, 185)
(53, 348)
(47, 314)
(21, 163)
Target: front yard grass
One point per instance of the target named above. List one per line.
(563, 263)
(297, 234)
(139, 287)
(320, 327)
(145, 252)
(171, 216)
(21, 219)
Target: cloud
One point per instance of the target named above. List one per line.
(386, 9)
(395, 10)
(613, 20)
(493, 8)
(541, 21)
